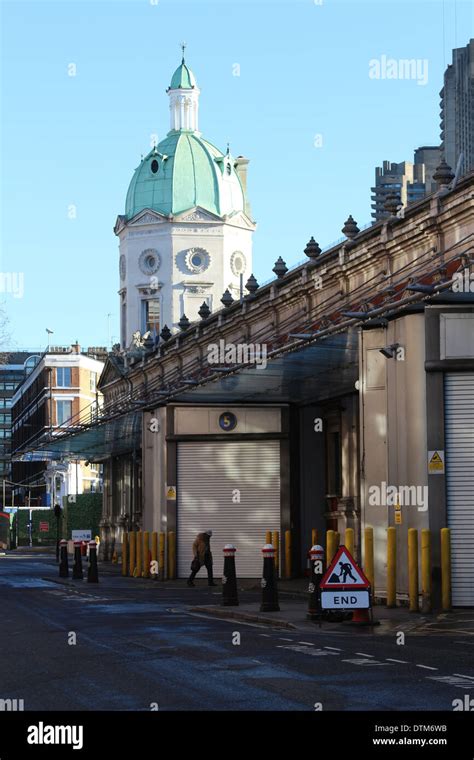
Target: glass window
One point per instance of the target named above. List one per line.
(63, 377)
(63, 411)
(5, 418)
(93, 380)
(152, 316)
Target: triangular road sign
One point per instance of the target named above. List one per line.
(343, 572)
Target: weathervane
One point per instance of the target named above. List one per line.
(183, 48)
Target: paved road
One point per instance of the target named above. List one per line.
(138, 648)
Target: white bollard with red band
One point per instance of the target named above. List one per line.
(269, 581)
(77, 573)
(229, 578)
(93, 572)
(316, 556)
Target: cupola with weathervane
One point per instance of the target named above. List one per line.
(186, 234)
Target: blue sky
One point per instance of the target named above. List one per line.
(304, 71)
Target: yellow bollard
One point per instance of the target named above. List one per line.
(413, 568)
(446, 569)
(288, 553)
(154, 553)
(268, 537)
(349, 540)
(330, 546)
(125, 554)
(391, 567)
(161, 556)
(314, 537)
(146, 554)
(426, 570)
(171, 554)
(276, 545)
(139, 552)
(132, 538)
(369, 556)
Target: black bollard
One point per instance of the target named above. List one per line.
(77, 573)
(316, 555)
(229, 579)
(92, 573)
(269, 581)
(63, 565)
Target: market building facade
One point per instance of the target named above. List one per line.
(340, 394)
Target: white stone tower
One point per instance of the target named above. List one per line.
(186, 235)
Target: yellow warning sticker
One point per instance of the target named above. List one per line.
(436, 462)
(171, 493)
(398, 517)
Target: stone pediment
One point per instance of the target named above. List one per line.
(113, 369)
(147, 216)
(240, 219)
(196, 214)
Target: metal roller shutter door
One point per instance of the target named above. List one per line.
(208, 473)
(459, 427)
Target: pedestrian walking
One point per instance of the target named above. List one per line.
(202, 556)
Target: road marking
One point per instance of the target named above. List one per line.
(308, 643)
(365, 662)
(460, 682)
(390, 659)
(281, 638)
(336, 649)
(426, 667)
(461, 675)
(305, 650)
(363, 654)
(267, 635)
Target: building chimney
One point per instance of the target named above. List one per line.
(76, 349)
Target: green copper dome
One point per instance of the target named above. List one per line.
(183, 78)
(182, 172)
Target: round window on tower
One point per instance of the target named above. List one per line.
(238, 263)
(197, 260)
(154, 166)
(149, 261)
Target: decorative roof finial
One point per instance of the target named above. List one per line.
(228, 149)
(183, 48)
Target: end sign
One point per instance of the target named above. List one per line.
(344, 585)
